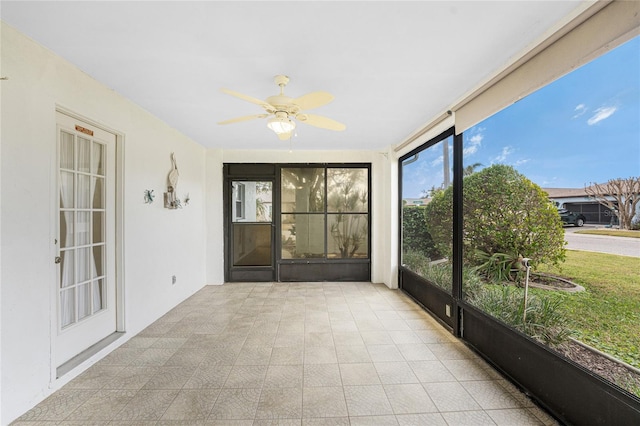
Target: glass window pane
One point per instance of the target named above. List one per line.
(252, 245)
(347, 190)
(252, 201)
(302, 189)
(66, 150)
(84, 154)
(66, 190)
(83, 201)
(98, 227)
(67, 307)
(302, 236)
(82, 228)
(97, 159)
(66, 229)
(67, 269)
(97, 198)
(83, 264)
(84, 300)
(348, 235)
(427, 214)
(98, 261)
(98, 295)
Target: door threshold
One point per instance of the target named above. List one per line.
(87, 353)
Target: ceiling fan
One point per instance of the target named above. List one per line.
(282, 110)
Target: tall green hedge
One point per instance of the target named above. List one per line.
(504, 212)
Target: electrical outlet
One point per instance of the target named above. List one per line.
(173, 279)
(447, 310)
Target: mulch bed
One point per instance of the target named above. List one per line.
(602, 366)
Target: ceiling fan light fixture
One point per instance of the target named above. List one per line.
(281, 125)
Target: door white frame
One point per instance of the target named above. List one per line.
(119, 232)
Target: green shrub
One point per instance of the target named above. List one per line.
(415, 236)
(504, 212)
(545, 320)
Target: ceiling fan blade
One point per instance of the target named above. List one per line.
(320, 121)
(313, 100)
(247, 98)
(245, 118)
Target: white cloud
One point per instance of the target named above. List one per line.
(521, 162)
(506, 151)
(438, 161)
(601, 114)
(579, 110)
(474, 143)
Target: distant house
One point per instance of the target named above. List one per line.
(577, 200)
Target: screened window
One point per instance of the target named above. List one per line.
(325, 212)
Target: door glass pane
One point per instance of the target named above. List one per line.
(252, 201)
(347, 190)
(302, 190)
(84, 154)
(302, 236)
(97, 198)
(67, 307)
(82, 228)
(66, 190)
(98, 261)
(348, 236)
(98, 227)
(98, 295)
(83, 192)
(97, 159)
(84, 300)
(67, 270)
(66, 229)
(66, 150)
(252, 245)
(83, 264)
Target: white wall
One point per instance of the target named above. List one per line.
(158, 243)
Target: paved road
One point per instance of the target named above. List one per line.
(601, 243)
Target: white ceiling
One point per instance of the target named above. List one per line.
(391, 66)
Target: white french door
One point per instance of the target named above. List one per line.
(85, 284)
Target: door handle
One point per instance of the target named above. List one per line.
(57, 260)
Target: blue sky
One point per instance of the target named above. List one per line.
(582, 128)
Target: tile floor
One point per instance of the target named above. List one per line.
(290, 354)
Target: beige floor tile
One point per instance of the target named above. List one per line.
(422, 419)
(291, 353)
(395, 373)
(409, 398)
(280, 403)
(246, 376)
(431, 371)
(367, 400)
(514, 417)
(450, 396)
(283, 376)
(373, 421)
(359, 374)
(238, 404)
(323, 402)
(320, 355)
(465, 418)
(147, 405)
(191, 405)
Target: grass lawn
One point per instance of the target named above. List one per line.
(610, 232)
(606, 315)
